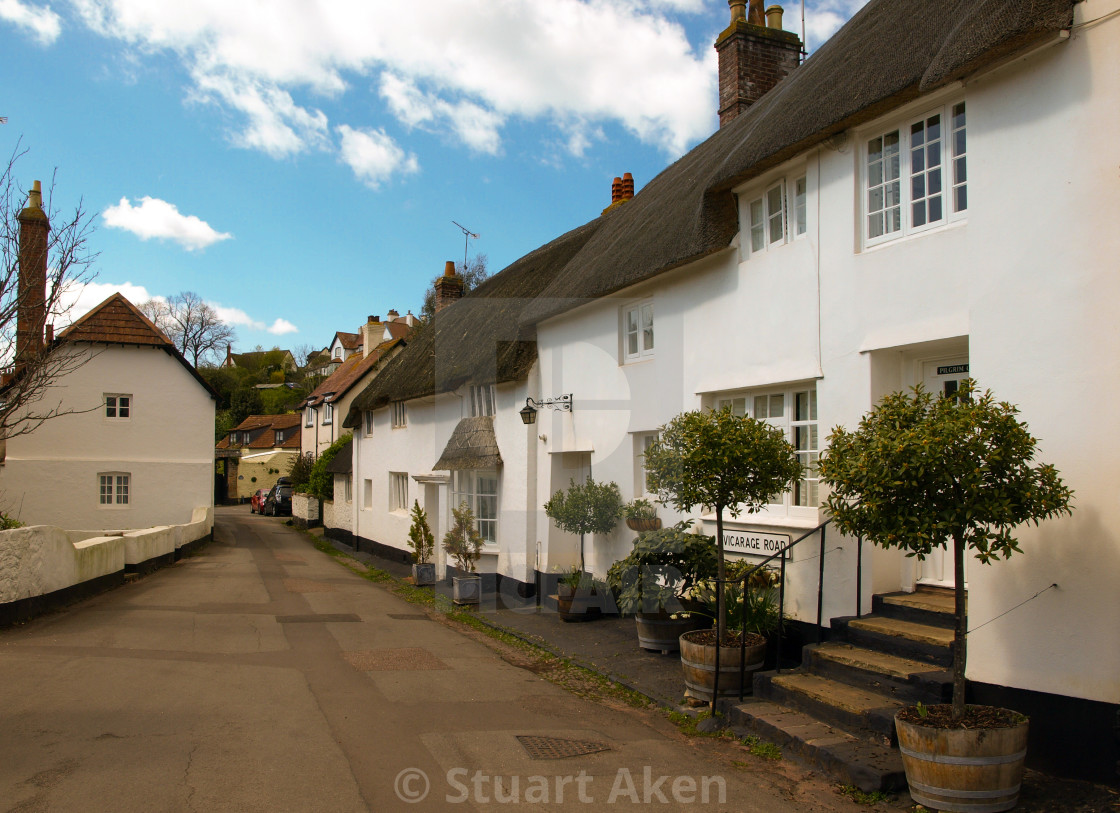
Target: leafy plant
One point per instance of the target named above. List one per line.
(921, 470)
(640, 509)
(8, 523)
(299, 471)
(753, 610)
(320, 481)
(420, 537)
(462, 541)
(720, 461)
(664, 567)
(589, 507)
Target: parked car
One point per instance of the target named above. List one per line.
(279, 501)
(256, 502)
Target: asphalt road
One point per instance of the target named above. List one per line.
(262, 675)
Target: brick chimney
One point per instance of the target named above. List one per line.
(755, 53)
(371, 333)
(449, 287)
(31, 314)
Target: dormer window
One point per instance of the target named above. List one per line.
(309, 416)
(482, 400)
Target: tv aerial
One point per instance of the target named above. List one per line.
(468, 235)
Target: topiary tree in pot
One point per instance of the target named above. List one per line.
(586, 508)
(463, 543)
(423, 544)
(921, 470)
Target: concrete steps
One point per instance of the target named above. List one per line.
(837, 710)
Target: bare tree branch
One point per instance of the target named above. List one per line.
(192, 325)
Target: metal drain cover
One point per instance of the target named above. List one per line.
(559, 747)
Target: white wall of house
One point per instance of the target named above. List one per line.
(165, 446)
(1021, 286)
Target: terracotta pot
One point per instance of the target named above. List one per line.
(963, 770)
(699, 663)
(643, 524)
(661, 633)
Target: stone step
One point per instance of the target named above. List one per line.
(903, 679)
(856, 710)
(852, 761)
(924, 606)
(895, 636)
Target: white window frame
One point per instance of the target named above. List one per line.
(328, 411)
(399, 412)
(368, 417)
(115, 404)
(309, 415)
(398, 491)
(799, 210)
(466, 485)
(793, 409)
(767, 218)
(638, 320)
(348, 479)
(915, 174)
(642, 441)
(114, 489)
(483, 400)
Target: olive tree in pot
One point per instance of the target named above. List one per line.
(721, 462)
(655, 583)
(423, 545)
(919, 471)
(586, 508)
(463, 544)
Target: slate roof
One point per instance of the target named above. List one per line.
(118, 321)
(476, 339)
(886, 55)
(471, 446)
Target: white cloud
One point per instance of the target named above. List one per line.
(469, 64)
(39, 21)
(825, 17)
(374, 156)
(239, 318)
(78, 299)
(158, 218)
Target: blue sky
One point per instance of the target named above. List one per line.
(299, 164)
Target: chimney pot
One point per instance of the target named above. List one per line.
(774, 17)
(753, 58)
(738, 10)
(627, 186)
(371, 318)
(449, 268)
(616, 190)
(393, 313)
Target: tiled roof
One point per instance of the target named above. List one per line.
(266, 439)
(349, 373)
(398, 330)
(291, 442)
(115, 321)
(351, 341)
(254, 421)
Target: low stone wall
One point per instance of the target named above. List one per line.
(42, 566)
(305, 511)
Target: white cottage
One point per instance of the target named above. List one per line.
(925, 198)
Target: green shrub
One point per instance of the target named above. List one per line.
(320, 482)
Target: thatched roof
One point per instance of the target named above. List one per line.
(887, 54)
(478, 339)
(472, 446)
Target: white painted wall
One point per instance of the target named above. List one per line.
(167, 446)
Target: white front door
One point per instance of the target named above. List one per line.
(941, 377)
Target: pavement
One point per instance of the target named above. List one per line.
(258, 674)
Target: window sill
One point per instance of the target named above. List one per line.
(764, 521)
(914, 235)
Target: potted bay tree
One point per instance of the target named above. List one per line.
(463, 543)
(587, 507)
(721, 462)
(920, 472)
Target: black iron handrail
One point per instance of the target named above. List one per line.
(781, 553)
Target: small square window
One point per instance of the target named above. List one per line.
(398, 491)
(118, 407)
(113, 488)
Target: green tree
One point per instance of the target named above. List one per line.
(722, 462)
(921, 470)
(299, 471)
(420, 537)
(462, 541)
(587, 508)
(320, 482)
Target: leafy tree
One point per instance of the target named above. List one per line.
(245, 402)
(921, 470)
(722, 462)
(462, 541)
(589, 507)
(191, 323)
(420, 537)
(320, 482)
(26, 401)
(299, 471)
(473, 274)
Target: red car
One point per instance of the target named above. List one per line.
(256, 502)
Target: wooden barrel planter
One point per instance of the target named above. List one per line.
(970, 770)
(661, 632)
(578, 607)
(699, 663)
(643, 524)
